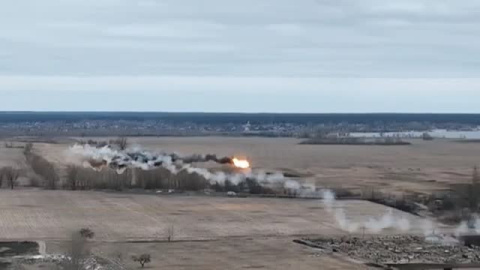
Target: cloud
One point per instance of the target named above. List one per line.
(240, 94)
(171, 29)
(266, 46)
(307, 38)
(287, 29)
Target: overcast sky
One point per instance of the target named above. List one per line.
(240, 55)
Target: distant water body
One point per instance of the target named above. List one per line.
(437, 133)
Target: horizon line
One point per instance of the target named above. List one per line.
(232, 112)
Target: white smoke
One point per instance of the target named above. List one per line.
(470, 226)
(388, 220)
(461, 229)
(344, 222)
(429, 228)
(148, 161)
(328, 199)
(372, 225)
(292, 185)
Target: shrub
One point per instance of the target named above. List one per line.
(72, 173)
(170, 233)
(86, 233)
(121, 142)
(11, 175)
(28, 148)
(159, 178)
(190, 181)
(44, 168)
(142, 259)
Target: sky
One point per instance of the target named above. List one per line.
(323, 56)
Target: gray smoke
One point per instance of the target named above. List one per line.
(470, 226)
(118, 160)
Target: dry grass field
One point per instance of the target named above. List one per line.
(11, 156)
(53, 215)
(423, 167)
(209, 232)
(232, 233)
(241, 253)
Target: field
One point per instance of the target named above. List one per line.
(133, 217)
(235, 233)
(422, 167)
(213, 232)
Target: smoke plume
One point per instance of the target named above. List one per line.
(100, 158)
(115, 159)
(372, 225)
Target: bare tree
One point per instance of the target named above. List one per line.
(9, 145)
(142, 259)
(87, 233)
(11, 175)
(44, 168)
(475, 176)
(170, 233)
(28, 149)
(50, 176)
(473, 192)
(72, 175)
(121, 142)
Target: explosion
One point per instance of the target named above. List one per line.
(241, 163)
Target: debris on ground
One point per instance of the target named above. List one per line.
(90, 263)
(399, 249)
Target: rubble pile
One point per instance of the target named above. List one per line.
(90, 263)
(400, 249)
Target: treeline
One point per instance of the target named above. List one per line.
(79, 178)
(41, 167)
(241, 118)
(120, 142)
(76, 177)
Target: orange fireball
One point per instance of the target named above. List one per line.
(241, 163)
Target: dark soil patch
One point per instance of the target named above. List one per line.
(10, 249)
